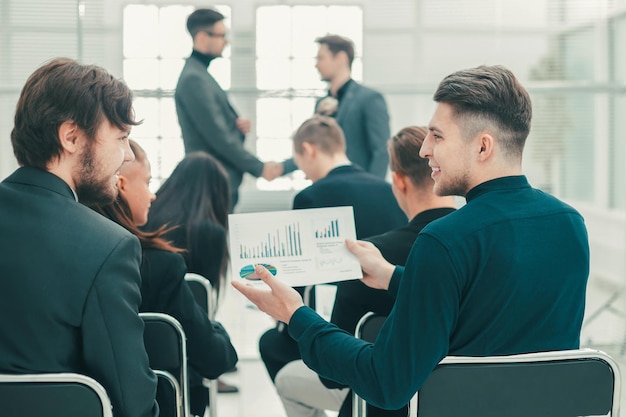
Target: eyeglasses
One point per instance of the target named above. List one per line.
(215, 35)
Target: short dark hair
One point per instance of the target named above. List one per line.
(63, 90)
(321, 131)
(336, 44)
(404, 148)
(489, 97)
(202, 19)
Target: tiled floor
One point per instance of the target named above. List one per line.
(257, 397)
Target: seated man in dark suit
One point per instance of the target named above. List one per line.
(302, 392)
(320, 151)
(69, 293)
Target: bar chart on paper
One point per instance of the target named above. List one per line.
(327, 230)
(279, 243)
(300, 246)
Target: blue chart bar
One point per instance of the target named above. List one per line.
(330, 231)
(282, 243)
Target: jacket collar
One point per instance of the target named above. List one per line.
(42, 179)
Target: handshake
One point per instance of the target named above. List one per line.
(272, 170)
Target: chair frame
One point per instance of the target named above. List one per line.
(65, 377)
(171, 379)
(551, 356)
(197, 279)
(182, 339)
(359, 405)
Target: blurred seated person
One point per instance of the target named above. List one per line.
(163, 287)
(194, 202)
(302, 391)
(320, 151)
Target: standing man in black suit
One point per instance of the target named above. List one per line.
(69, 293)
(360, 111)
(208, 121)
(320, 151)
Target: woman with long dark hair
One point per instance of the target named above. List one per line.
(194, 202)
(163, 287)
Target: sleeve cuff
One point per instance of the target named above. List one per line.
(394, 284)
(257, 170)
(301, 319)
(289, 166)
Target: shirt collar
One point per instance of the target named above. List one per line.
(204, 58)
(430, 215)
(497, 184)
(341, 92)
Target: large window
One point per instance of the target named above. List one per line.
(618, 137)
(286, 77)
(156, 44)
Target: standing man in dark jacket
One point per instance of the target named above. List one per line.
(69, 278)
(359, 110)
(208, 121)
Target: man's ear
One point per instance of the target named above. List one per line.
(122, 182)
(309, 149)
(70, 136)
(399, 181)
(344, 57)
(486, 144)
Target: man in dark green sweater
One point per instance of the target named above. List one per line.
(504, 274)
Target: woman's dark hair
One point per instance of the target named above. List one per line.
(196, 193)
(119, 211)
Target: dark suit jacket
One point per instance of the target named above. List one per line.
(375, 211)
(69, 292)
(208, 123)
(164, 290)
(375, 208)
(363, 117)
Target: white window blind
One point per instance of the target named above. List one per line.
(33, 32)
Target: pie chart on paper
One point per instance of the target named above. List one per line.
(248, 271)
